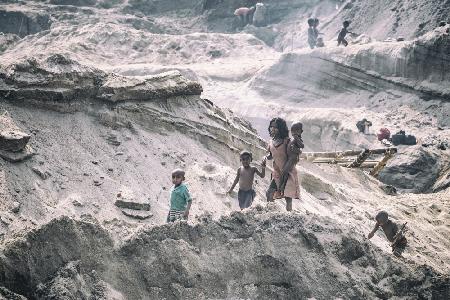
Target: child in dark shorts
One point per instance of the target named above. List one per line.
(245, 176)
(391, 231)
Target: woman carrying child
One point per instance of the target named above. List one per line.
(284, 152)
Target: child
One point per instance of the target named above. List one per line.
(391, 231)
(343, 33)
(180, 200)
(311, 33)
(294, 149)
(244, 14)
(278, 151)
(245, 176)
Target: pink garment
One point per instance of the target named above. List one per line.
(242, 11)
(279, 155)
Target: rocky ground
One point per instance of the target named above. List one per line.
(100, 100)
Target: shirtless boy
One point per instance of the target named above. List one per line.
(245, 176)
(391, 231)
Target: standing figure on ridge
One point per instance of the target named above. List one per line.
(311, 33)
(343, 33)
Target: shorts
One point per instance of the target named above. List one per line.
(399, 247)
(175, 215)
(245, 198)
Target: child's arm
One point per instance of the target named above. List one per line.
(236, 180)
(188, 207)
(188, 198)
(373, 231)
(261, 174)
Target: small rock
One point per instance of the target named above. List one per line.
(97, 183)
(15, 207)
(94, 162)
(119, 153)
(43, 174)
(110, 169)
(132, 204)
(75, 202)
(112, 140)
(137, 214)
(11, 137)
(400, 39)
(389, 189)
(85, 174)
(163, 163)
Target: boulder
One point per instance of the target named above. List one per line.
(11, 137)
(74, 2)
(132, 204)
(58, 78)
(414, 169)
(137, 214)
(14, 157)
(23, 23)
(164, 85)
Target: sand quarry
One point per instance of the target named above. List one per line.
(101, 100)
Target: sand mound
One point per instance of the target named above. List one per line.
(261, 254)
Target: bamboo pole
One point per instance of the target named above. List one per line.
(311, 155)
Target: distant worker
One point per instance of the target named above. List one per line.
(244, 14)
(363, 126)
(245, 176)
(259, 16)
(311, 34)
(343, 33)
(392, 232)
(319, 40)
(180, 199)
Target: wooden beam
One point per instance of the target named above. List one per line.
(312, 155)
(359, 159)
(377, 169)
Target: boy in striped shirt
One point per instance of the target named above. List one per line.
(180, 199)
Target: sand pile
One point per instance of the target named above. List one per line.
(261, 254)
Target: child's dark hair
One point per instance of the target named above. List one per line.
(280, 123)
(246, 153)
(382, 216)
(346, 23)
(178, 173)
(310, 21)
(297, 125)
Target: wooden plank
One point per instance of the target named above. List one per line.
(360, 159)
(377, 169)
(311, 155)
